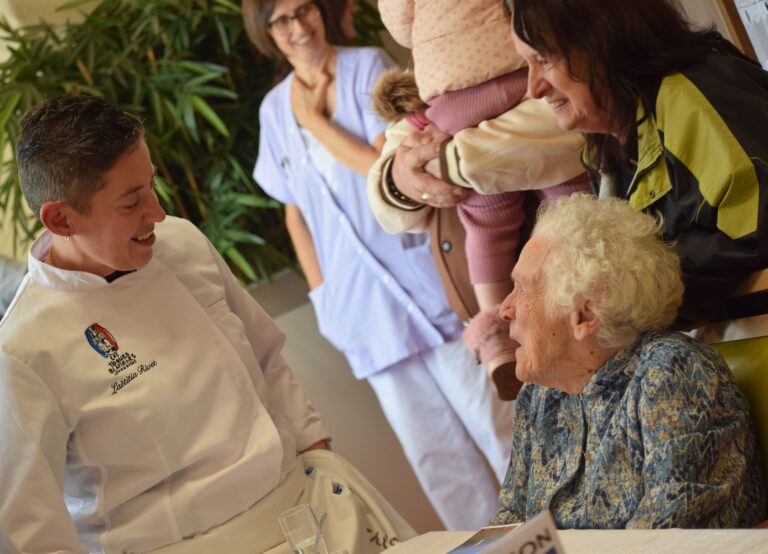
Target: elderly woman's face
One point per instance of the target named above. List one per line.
(572, 101)
(117, 232)
(545, 341)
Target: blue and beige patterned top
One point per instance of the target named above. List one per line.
(660, 436)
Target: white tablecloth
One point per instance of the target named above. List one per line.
(664, 541)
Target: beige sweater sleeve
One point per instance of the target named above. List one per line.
(522, 149)
(392, 218)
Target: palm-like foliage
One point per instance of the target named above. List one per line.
(185, 66)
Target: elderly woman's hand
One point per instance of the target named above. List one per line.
(409, 171)
(308, 102)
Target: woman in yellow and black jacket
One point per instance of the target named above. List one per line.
(702, 164)
(676, 121)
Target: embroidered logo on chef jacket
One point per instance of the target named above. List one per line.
(104, 343)
(101, 340)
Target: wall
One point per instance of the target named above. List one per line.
(25, 12)
(705, 13)
(6, 240)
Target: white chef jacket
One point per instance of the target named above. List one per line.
(139, 412)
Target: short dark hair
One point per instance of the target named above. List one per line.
(67, 144)
(628, 46)
(256, 16)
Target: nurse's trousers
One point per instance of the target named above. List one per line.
(455, 432)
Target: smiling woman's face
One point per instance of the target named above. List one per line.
(573, 103)
(117, 232)
(304, 39)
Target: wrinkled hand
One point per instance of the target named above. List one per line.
(308, 102)
(413, 179)
(433, 168)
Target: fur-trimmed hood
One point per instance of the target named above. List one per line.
(396, 96)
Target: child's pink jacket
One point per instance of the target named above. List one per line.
(448, 38)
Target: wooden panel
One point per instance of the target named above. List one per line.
(736, 27)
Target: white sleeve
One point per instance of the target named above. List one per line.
(284, 393)
(33, 450)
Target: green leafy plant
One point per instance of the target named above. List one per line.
(185, 66)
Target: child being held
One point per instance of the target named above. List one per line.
(465, 72)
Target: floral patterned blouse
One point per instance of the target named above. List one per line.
(660, 436)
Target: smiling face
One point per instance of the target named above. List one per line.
(116, 233)
(573, 103)
(303, 39)
(545, 339)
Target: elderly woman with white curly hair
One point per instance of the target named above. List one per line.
(621, 422)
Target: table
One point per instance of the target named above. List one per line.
(658, 541)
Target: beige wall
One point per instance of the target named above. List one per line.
(705, 13)
(24, 12)
(6, 242)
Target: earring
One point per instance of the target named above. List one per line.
(66, 237)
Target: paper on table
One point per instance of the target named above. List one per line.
(538, 535)
(483, 539)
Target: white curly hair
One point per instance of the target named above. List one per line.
(612, 256)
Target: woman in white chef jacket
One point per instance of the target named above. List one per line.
(144, 401)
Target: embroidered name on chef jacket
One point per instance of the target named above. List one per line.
(105, 345)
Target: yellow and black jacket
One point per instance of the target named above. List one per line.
(702, 163)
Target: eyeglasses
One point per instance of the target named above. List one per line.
(282, 25)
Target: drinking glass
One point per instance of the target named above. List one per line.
(302, 530)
